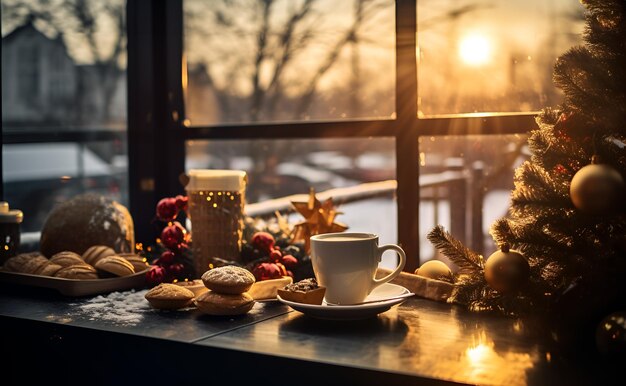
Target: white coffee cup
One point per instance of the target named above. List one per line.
(346, 263)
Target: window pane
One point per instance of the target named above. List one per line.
(284, 60)
(41, 175)
(492, 56)
(278, 168)
(63, 82)
(465, 182)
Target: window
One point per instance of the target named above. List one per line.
(63, 104)
(438, 85)
(235, 105)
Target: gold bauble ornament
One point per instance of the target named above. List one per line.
(434, 269)
(597, 189)
(506, 270)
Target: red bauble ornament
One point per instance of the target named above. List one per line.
(166, 258)
(597, 189)
(289, 261)
(166, 209)
(506, 270)
(155, 275)
(182, 202)
(266, 271)
(263, 241)
(174, 236)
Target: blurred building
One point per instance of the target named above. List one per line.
(43, 87)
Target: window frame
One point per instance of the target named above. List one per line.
(165, 60)
(157, 132)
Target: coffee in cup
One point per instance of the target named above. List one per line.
(345, 263)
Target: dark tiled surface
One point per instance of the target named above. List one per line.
(421, 338)
(418, 340)
(127, 312)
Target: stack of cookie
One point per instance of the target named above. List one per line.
(97, 261)
(227, 294)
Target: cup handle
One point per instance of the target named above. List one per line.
(396, 272)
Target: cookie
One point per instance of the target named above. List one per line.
(116, 265)
(228, 280)
(168, 296)
(305, 291)
(213, 303)
(267, 289)
(78, 272)
(93, 254)
(17, 263)
(139, 263)
(32, 265)
(195, 286)
(48, 269)
(67, 258)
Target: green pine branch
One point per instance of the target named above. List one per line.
(467, 260)
(534, 184)
(549, 151)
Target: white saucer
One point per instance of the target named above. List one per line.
(362, 311)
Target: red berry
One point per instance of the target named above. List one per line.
(289, 261)
(275, 256)
(173, 236)
(182, 202)
(263, 241)
(166, 209)
(155, 275)
(266, 271)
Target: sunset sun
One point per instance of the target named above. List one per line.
(475, 50)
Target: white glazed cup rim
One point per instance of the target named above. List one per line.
(338, 236)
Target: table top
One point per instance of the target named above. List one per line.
(419, 339)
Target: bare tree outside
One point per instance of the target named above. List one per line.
(268, 60)
(94, 33)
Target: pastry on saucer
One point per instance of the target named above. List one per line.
(305, 291)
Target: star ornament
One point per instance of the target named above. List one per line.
(319, 218)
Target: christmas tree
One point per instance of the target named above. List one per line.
(566, 227)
